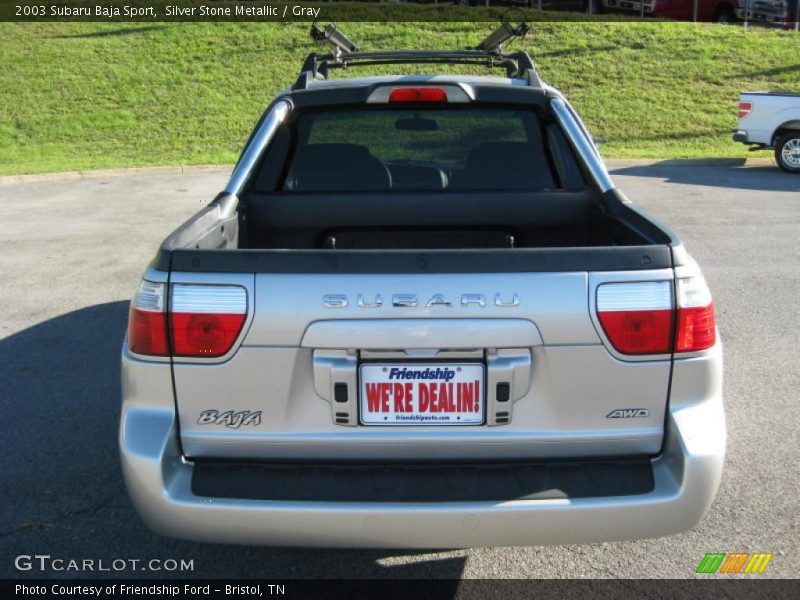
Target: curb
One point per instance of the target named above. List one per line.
(612, 163)
(755, 161)
(106, 173)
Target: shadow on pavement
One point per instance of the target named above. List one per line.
(63, 493)
(766, 178)
(60, 396)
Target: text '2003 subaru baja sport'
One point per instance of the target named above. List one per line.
(421, 315)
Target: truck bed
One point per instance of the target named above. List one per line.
(522, 232)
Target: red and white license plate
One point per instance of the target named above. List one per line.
(421, 394)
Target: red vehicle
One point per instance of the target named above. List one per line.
(720, 11)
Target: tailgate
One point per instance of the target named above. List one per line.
(366, 366)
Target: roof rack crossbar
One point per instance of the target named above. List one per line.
(516, 64)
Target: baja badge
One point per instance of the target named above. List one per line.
(230, 418)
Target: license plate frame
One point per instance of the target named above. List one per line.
(410, 375)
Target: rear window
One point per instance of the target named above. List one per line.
(423, 149)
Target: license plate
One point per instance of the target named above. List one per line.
(421, 394)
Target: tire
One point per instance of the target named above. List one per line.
(725, 15)
(592, 7)
(787, 152)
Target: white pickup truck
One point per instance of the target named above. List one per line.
(771, 120)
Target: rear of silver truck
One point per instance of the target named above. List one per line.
(421, 316)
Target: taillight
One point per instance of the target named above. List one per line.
(205, 320)
(696, 328)
(147, 323)
(417, 94)
(637, 316)
(745, 108)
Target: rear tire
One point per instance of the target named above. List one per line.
(725, 15)
(787, 152)
(592, 7)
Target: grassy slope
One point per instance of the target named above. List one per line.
(80, 96)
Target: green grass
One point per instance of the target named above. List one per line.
(93, 95)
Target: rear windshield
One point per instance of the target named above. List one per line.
(424, 149)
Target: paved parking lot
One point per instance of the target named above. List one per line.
(72, 255)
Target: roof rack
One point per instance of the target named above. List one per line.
(489, 54)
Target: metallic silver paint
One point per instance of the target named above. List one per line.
(561, 415)
(258, 144)
(402, 334)
(286, 304)
(583, 144)
(687, 475)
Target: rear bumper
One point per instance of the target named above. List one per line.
(740, 135)
(685, 478)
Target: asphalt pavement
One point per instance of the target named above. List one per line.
(73, 252)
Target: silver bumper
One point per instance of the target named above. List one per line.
(686, 475)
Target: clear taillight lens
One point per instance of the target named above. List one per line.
(637, 317)
(696, 320)
(147, 323)
(205, 320)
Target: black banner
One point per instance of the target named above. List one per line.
(365, 10)
(269, 11)
(405, 589)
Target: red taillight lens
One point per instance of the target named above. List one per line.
(697, 327)
(204, 335)
(637, 317)
(147, 324)
(639, 331)
(147, 333)
(745, 108)
(417, 94)
(205, 320)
